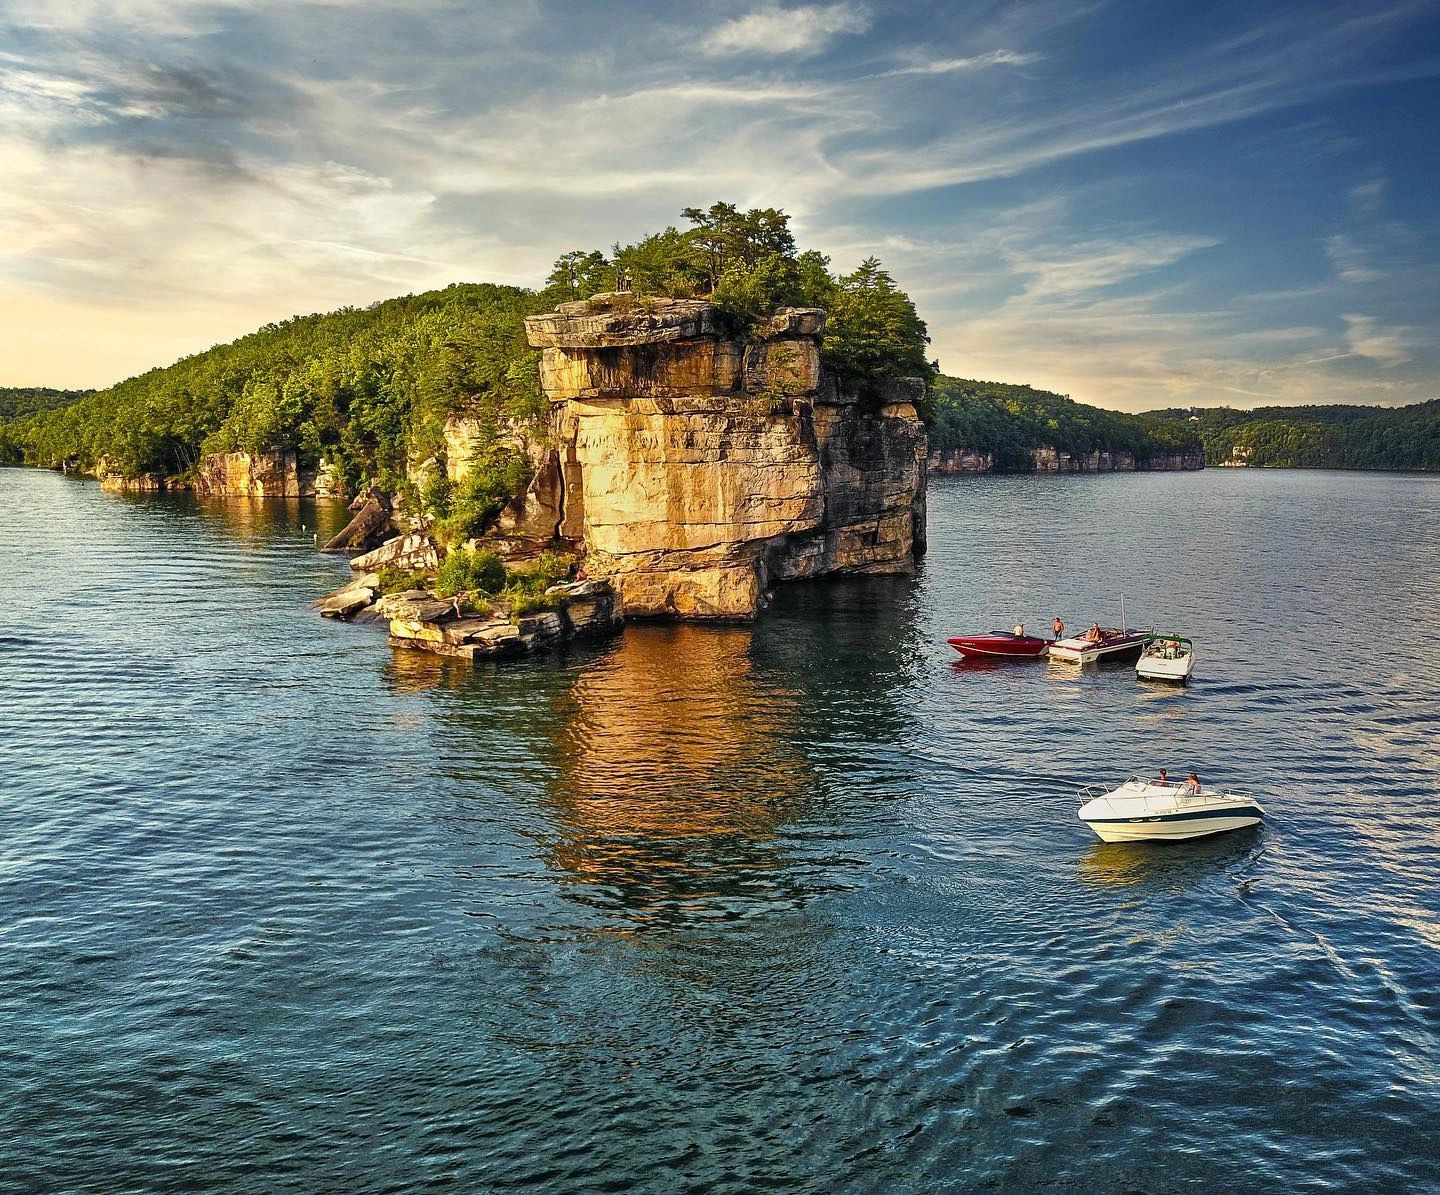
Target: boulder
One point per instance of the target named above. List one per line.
(416, 605)
(351, 598)
(416, 551)
(540, 629)
(369, 528)
(617, 319)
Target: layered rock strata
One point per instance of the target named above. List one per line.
(582, 610)
(696, 467)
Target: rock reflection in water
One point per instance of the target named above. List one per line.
(410, 672)
(673, 775)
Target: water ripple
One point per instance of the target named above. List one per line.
(802, 906)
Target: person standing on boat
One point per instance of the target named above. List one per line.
(1019, 630)
(1058, 628)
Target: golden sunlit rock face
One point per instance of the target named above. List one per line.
(697, 467)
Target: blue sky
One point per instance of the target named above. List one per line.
(1139, 205)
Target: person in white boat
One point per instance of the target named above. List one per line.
(1163, 780)
(1093, 635)
(1058, 628)
(1019, 629)
(1191, 787)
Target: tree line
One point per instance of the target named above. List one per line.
(1318, 437)
(1008, 421)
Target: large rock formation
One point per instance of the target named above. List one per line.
(695, 466)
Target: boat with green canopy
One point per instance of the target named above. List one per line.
(1166, 657)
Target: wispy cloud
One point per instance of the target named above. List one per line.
(1350, 259)
(976, 62)
(807, 29)
(1366, 338)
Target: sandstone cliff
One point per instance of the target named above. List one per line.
(265, 475)
(695, 467)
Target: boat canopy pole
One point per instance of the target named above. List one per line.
(1124, 628)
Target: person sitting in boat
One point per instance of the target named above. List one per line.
(1191, 787)
(1019, 630)
(1058, 627)
(1094, 634)
(1163, 780)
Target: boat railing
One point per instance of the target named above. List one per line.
(1174, 794)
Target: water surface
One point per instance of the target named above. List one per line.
(803, 905)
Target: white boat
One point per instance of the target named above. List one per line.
(1166, 657)
(1141, 810)
(1112, 643)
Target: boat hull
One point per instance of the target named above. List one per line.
(1153, 830)
(1149, 668)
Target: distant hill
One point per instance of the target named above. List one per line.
(1328, 437)
(1009, 421)
(16, 401)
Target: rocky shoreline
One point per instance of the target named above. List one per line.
(419, 620)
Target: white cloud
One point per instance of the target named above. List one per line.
(1366, 338)
(951, 66)
(804, 30)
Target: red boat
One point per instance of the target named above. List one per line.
(999, 644)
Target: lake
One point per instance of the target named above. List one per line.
(803, 905)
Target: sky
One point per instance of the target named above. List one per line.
(1140, 205)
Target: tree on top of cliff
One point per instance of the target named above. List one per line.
(876, 333)
(749, 264)
(579, 274)
(730, 238)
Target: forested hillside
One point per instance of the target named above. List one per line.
(357, 387)
(27, 400)
(369, 389)
(1332, 437)
(1009, 421)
